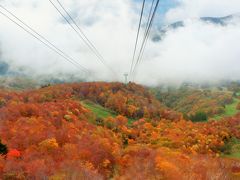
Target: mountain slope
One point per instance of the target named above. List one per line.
(49, 134)
(191, 101)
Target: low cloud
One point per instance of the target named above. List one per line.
(199, 51)
(109, 25)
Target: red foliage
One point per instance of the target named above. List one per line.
(13, 153)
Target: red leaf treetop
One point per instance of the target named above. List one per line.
(14, 153)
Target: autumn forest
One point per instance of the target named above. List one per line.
(115, 131)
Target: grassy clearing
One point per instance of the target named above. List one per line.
(98, 110)
(230, 110)
(238, 93)
(233, 155)
(101, 112)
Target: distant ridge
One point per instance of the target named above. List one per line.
(159, 34)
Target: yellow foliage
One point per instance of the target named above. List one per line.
(88, 165)
(49, 144)
(59, 176)
(106, 162)
(68, 118)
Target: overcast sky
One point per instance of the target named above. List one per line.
(198, 51)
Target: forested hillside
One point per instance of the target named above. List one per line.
(82, 131)
(195, 103)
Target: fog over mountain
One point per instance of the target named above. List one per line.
(196, 43)
(161, 31)
(3, 68)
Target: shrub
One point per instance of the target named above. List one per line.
(2, 103)
(238, 106)
(199, 117)
(3, 149)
